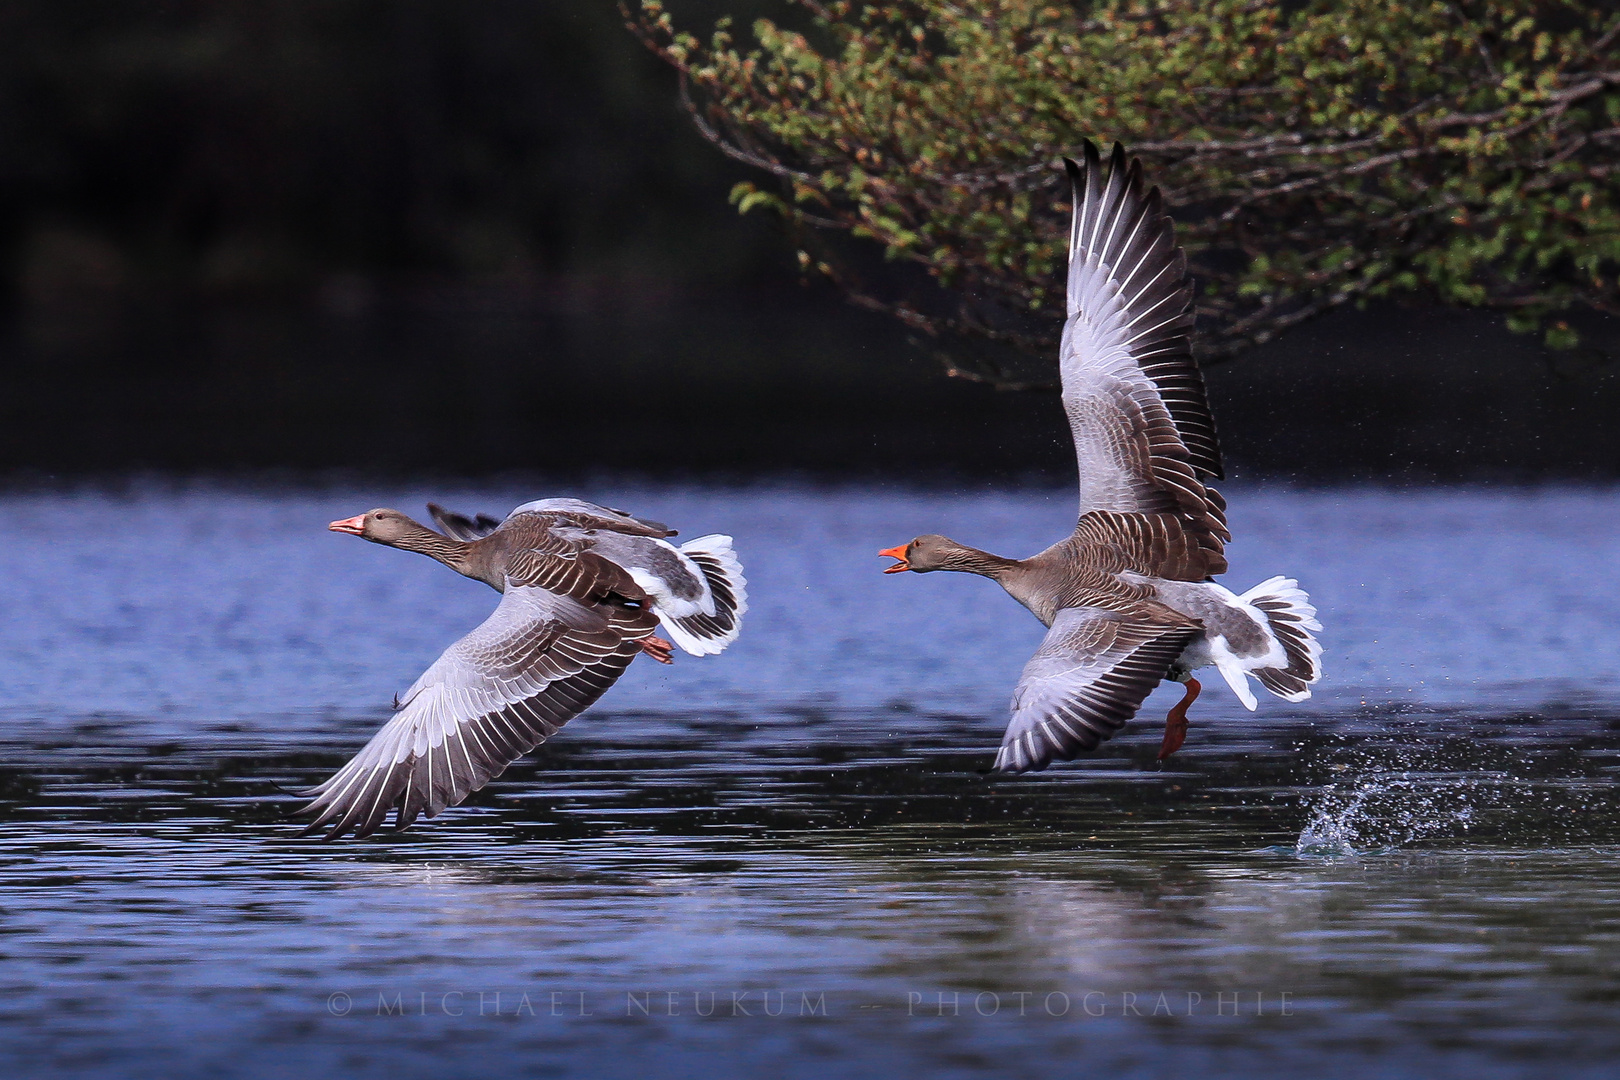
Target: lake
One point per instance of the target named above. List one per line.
(789, 859)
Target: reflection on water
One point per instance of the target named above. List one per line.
(788, 858)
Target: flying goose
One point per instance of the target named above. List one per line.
(582, 588)
(1130, 597)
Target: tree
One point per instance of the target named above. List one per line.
(1314, 153)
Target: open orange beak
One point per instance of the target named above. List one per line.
(354, 526)
(896, 553)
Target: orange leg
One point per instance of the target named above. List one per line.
(663, 651)
(1175, 725)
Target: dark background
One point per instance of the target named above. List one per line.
(409, 236)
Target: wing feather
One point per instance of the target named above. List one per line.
(538, 661)
(1137, 407)
(1085, 682)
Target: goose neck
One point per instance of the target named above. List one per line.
(973, 561)
(424, 541)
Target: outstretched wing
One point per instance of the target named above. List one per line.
(1142, 429)
(537, 662)
(1085, 682)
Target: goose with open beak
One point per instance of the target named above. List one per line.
(1130, 597)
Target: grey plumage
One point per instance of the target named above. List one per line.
(578, 603)
(1130, 596)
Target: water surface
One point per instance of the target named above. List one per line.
(789, 858)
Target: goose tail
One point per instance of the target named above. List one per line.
(719, 621)
(1292, 619)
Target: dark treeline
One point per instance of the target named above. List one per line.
(219, 150)
(406, 235)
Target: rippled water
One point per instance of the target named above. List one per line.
(788, 860)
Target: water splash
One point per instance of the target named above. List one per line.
(1389, 810)
(1424, 784)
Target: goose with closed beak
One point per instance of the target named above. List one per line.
(1130, 597)
(583, 588)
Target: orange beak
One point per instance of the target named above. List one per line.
(354, 526)
(896, 553)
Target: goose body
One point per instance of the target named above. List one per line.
(1130, 597)
(583, 590)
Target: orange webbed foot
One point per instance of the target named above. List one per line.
(657, 648)
(1175, 724)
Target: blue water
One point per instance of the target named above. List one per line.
(1424, 858)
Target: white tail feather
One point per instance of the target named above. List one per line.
(1286, 591)
(711, 630)
(1231, 669)
(1291, 618)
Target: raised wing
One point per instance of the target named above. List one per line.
(1142, 429)
(1085, 682)
(460, 526)
(537, 662)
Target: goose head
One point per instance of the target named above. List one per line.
(931, 552)
(380, 526)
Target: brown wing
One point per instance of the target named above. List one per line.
(1157, 545)
(537, 662)
(1143, 434)
(1085, 682)
(546, 551)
